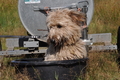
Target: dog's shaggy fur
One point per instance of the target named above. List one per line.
(64, 35)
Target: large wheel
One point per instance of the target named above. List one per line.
(1, 57)
(118, 47)
(118, 40)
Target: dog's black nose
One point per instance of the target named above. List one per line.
(52, 41)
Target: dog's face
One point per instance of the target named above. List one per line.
(64, 26)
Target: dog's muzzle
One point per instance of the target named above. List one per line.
(52, 41)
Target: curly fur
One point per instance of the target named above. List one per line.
(64, 35)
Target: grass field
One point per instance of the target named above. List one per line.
(101, 65)
(106, 17)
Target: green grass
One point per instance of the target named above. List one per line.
(101, 66)
(10, 23)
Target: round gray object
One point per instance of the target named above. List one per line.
(35, 21)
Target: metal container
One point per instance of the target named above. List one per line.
(34, 20)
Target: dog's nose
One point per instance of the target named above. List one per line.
(52, 41)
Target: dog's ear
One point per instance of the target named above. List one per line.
(77, 17)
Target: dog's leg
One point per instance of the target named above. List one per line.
(50, 54)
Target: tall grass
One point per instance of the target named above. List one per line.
(101, 66)
(106, 17)
(10, 23)
(9, 20)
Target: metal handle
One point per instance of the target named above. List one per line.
(72, 6)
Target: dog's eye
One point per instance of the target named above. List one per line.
(59, 26)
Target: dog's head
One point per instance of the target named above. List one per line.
(64, 26)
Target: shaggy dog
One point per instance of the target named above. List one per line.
(64, 41)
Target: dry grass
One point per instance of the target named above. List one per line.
(101, 66)
(106, 17)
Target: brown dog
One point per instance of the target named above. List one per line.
(64, 35)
